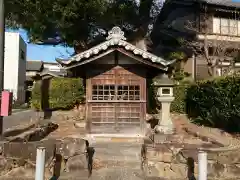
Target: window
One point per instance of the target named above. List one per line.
(103, 92)
(238, 27)
(123, 92)
(128, 92)
(226, 26)
(233, 27)
(216, 25)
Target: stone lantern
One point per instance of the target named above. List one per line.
(164, 87)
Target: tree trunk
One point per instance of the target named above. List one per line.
(212, 71)
(212, 66)
(141, 44)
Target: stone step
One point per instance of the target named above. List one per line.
(117, 151)
(108, 155)
(108, 173)
(79, 176)
(114, 138)
(17, 178)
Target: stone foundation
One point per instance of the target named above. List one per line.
(172, 162)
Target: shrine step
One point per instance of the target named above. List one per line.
(93, 138)
(118, 151)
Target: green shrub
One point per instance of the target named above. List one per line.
(57, 93)
(36, 96)
(178, 105)
(152, 104)
(215, 103)
(179, 75)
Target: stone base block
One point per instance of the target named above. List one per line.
(164, 129)
(166, 170)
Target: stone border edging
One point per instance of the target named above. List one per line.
(234, 144)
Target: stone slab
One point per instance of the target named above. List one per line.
(28, 150)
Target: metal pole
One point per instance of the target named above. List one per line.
(202, 165)
(40, 164)
(2, 45)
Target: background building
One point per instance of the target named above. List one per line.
(32, 68)
(208, 31)
(15, 66)
(36, 69)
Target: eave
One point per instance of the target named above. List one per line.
(114, 41)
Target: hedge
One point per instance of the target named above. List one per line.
(57, 93)
(215, 103)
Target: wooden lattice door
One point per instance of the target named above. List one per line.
(116, 102)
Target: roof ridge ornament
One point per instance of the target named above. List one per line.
(116, 33)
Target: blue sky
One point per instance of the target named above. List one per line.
(44, 53)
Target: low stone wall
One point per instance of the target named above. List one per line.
(171, 162)
(18, 154)
(27, 150)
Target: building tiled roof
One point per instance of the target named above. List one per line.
(115, 38)
(46, 74)
(230, 3)
(227, 3)
(34, 65)
(29, 78)
(51, 63)
(62, 72)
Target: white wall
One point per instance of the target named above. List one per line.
(22, 69)
(15, 65)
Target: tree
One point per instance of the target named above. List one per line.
(80, 23)
(169, 46)
(178, 69)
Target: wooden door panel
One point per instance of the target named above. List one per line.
(115, 117)
(128, 112)
(108, 112)
(103, 113)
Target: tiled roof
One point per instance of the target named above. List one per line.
(227, 3)
(116, 38)
(29, 78)
(230, 3)
(62, 72)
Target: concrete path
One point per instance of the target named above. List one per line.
(112, 161)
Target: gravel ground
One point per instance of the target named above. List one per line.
(17, 118)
